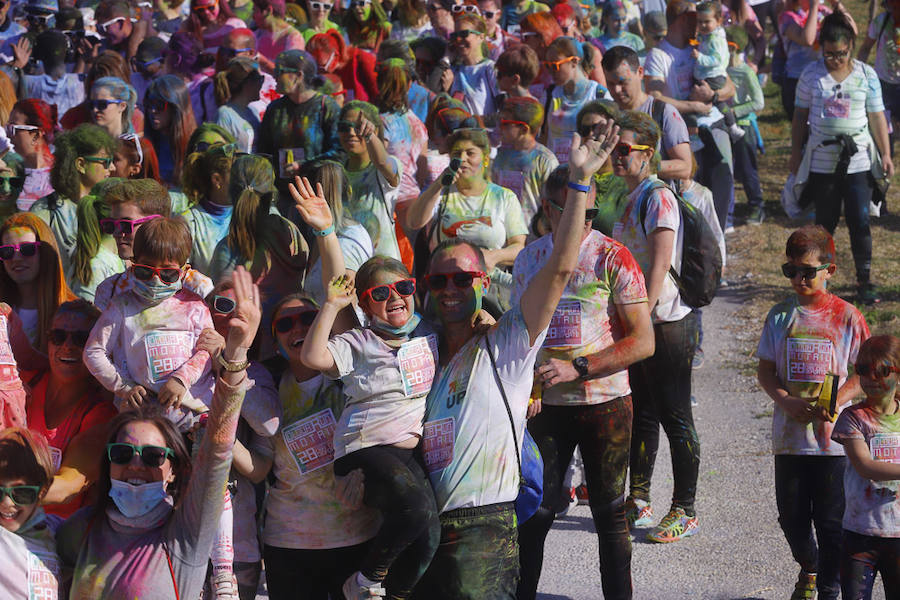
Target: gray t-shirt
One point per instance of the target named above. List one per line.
(674, 130)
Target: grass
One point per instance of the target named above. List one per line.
(755, 253)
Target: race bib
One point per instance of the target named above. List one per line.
(43, 576)
(437, 443)
(808, 359)
(565, 326)
(837, 106)
(512, 180)
(417, 359)
(561, 148)
(885, 447)
(311, 441)
(286, 156)
(6, 354)
(56, 457)
(167, 351)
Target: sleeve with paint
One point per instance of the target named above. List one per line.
(200, 363)
(662, 212)
(190, 534)
(628, 285)
(262, 408)
(513, 219)
(102, 345)
(714, 51)
(859, 332)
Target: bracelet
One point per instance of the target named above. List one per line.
(579, 187)
(232, 366)
(324, 232)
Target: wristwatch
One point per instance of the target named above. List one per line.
(581, 365)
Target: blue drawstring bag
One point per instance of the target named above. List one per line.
(530, 461)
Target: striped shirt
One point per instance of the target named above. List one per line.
(839, 107)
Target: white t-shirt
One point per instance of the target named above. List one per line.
(468, 445)
(31, 567)
(887, 53)
(372, 205)
(385, 387)
(676, 68)
(662, 213)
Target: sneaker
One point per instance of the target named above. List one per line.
(805, 588)
(757, 216)
(224, 586)
(582, 494)
(357, 587)
(736, 132)
(694, 402)
(638, 512)
(674, 526)
(729, 230)
(866, 294)
(698, 359)
(568, 501)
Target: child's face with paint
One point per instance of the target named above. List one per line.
(455, 304)
(562, 69)
(290, 342)
(21, 269)
(804, 285)
(396, 310)
(12, 515)
(707, 22)
(879, 382)
(136, 472)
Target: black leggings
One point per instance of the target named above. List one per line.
(603, 433)
(293, 574)
(864, 555)
(395, 484)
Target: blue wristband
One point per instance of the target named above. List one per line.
(578, 187)
(324, 232)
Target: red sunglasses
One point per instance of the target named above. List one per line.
(381, 293)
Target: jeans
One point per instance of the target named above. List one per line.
(714, 170)
(661, 391)
(603, 434)
(788, 94)
(395, 484)
(861, 557)
(810, 490)
(478, 557)
(745, 171)
(293, 574)
(854, 191)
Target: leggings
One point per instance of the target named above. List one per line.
(809, 490)
(395, 484)
(861, 557)
(293, 574)
(661, 391)
(603, 433)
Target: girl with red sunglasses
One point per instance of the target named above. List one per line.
(387, 369)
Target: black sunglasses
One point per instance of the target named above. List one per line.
(166, 275)
(790, 270)
(461, 279)
(104, 104)
(26, 249)
(286, 323)
(14, 182)
(223, 304)
(121, 453)
(58, 337)
(876, 371)
(21, 494)
(589, 213)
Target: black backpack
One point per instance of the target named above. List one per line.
(701, 260)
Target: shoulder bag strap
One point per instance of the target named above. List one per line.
(512, 423)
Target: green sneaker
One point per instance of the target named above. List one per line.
(806, 587)
(674, 526)
(638, 513)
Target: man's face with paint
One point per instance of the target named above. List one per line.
(453, 304)
(625, 84)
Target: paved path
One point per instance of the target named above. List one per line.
(740, 552)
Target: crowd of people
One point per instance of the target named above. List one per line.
(345, 293)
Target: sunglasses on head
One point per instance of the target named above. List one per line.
(102, 105)
(288, 322)
(26, 249)
(136, 140)
(791, 270)
(623, 149)
(100, 160)
(556, 65)
(21, 494)
(13, 181)
(381, 293)
(58, 337)
(121, 453)
(589, 213)
(223, 305)
(471, 9)
(165, 274)
(881, 371)
(461, 34)
(126, 226)
(461, 279)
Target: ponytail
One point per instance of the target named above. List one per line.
(90, 210)
(221, 89)
(588, 53)
(252, 191)
(393, 82)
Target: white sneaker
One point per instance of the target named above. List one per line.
(736, 132)
(224, 586)
(357, 587)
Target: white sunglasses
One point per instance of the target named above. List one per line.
(12, 130)
(320, 5)
(136, 140)
(102, 27)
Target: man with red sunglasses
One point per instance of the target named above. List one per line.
(470, 454)
(600, 327)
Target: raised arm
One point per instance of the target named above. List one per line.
(315, 353)
(422, 208)
(540, 298)
(316, 213)
(377, 152)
